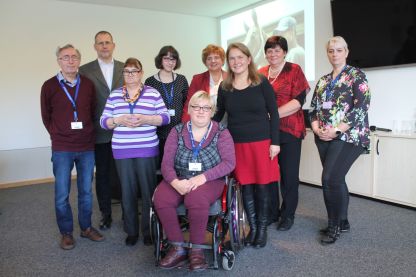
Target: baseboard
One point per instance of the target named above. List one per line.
(30, 182)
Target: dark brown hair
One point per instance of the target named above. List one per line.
(165, 51)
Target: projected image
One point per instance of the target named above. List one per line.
(283, 18)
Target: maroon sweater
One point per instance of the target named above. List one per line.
(57, 115)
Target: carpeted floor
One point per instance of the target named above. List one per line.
(382, 242)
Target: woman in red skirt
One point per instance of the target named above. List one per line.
(253, 122)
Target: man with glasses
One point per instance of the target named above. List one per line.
(67, 106)
(106, 74)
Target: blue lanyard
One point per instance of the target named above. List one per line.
(196, 149)
(169, 96)
(73, 100)
(329, 88)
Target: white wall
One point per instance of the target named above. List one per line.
(31, 31)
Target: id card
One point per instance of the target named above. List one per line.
(195, 166)
(327, 105)
(76, 125)
(171, 112)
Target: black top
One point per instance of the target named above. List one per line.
(180, 93)
(252, 113)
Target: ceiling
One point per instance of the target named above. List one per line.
(209, 8)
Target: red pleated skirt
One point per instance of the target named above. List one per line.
(253, 164)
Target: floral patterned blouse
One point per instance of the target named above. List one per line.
(344, 99)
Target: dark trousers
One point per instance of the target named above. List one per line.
(135, 173)
(289, 161)
(106, 177)
(337, 158)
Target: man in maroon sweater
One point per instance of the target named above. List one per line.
(67, 106)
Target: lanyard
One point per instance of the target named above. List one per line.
(329, 88)
(132, 106)
(73, 100)
(196, 149)
(169, 96)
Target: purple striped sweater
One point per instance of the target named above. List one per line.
(142, 141)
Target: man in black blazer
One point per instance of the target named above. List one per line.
(106, 74)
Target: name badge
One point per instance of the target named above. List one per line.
(327, 105)
(171, 112)
(195, 166)
(76, 125)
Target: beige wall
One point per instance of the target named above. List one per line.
(31, 31)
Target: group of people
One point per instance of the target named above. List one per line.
(103, 114)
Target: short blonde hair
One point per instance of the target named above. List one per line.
(202, 95)
(337, 39)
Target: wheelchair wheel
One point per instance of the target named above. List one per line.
(155, 232)
(236, 216)
(228, 260)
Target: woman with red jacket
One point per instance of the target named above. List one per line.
(213, 57)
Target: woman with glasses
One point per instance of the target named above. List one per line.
(198, 154)
(253, 121)
(213, 57)
(172, 86)
(134, 111)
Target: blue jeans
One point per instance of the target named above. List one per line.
(63, 163)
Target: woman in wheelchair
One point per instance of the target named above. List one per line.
(198, 154)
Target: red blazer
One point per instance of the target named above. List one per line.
(199, 82)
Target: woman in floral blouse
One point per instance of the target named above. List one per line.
(339, 119)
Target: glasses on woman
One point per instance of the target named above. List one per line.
(204, 108)
(131, 72)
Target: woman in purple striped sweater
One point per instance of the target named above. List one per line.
(134, 111)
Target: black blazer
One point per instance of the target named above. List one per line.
(93, 72)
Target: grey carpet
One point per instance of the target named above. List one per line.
(382, 242)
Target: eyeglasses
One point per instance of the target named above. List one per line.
(169, 59)
(104, 43)
(131, 73)
(204, 108)
(67, 58)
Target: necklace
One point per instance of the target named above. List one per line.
(277, 75)
(127, 97)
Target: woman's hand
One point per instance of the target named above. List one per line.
(197, 181)
(273, 151)
(182, 186)
(127, 120)
(326, 134)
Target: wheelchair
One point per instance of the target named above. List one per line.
(226, 224)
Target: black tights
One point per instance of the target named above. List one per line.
(337, 158)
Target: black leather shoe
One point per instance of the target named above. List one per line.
(332, 235)
(285, 224)
(344, 227)
(131, 240)
(105, 222)
(147, 240)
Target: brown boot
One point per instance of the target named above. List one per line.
(67, 242)
(176, 257)
(197, 260)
